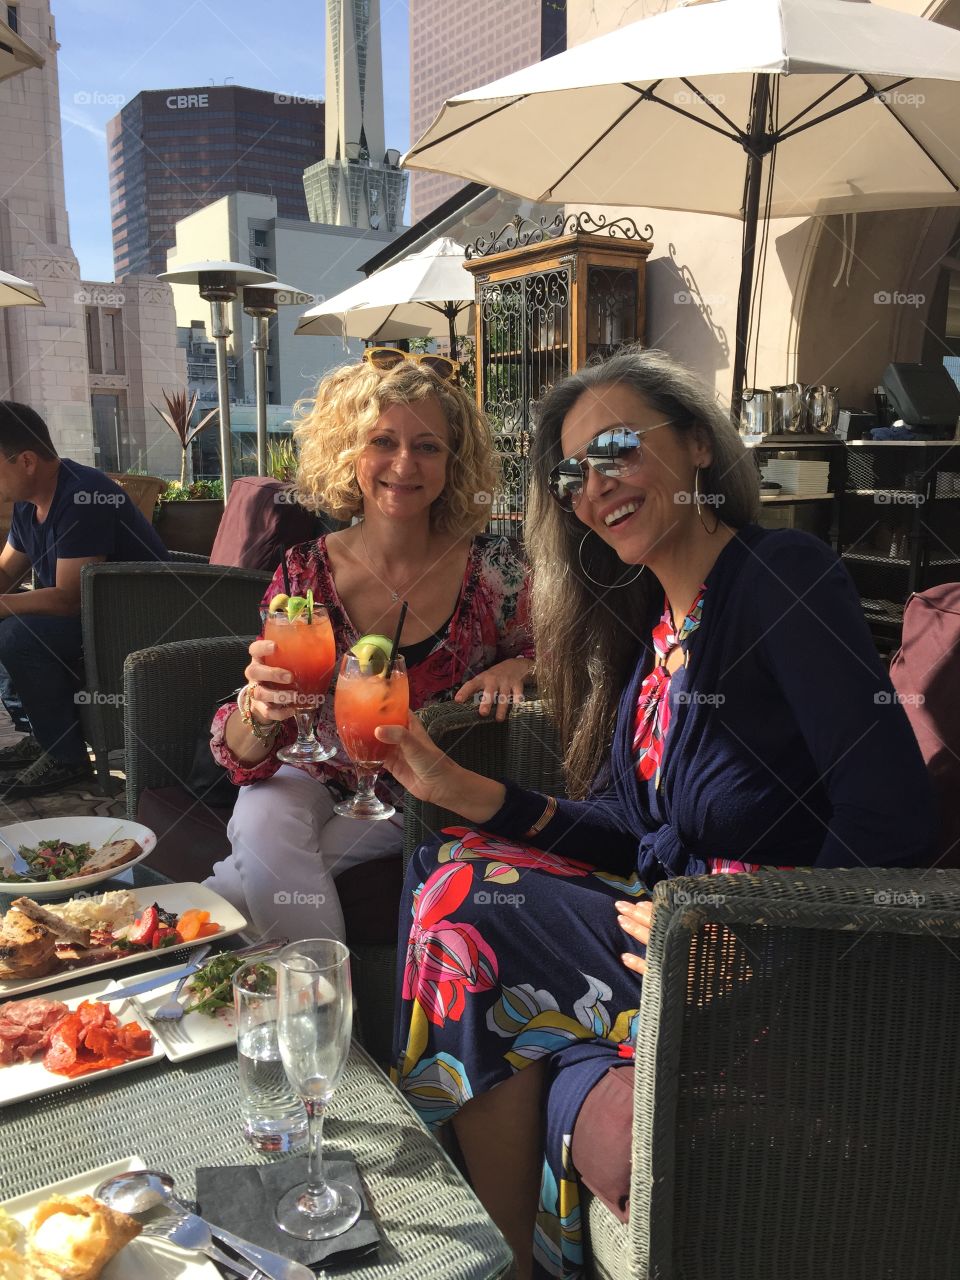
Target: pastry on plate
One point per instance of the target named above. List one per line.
(76, 1236)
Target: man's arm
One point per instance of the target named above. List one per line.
(14, 567)
(62, 600)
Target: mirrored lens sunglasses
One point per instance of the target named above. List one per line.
(386, 358)
(616, 453)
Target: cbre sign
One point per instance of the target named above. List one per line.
(182, 101)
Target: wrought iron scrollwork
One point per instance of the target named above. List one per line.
(520, 231)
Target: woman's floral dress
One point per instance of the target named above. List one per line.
(513, 957)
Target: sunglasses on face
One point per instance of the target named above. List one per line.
(386, 358)
(615, 453)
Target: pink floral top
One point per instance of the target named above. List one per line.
(491, 622)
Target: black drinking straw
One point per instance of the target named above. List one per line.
(286, 574)
(396, 640)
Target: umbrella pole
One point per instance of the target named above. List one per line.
(451, 310)
(756, 150)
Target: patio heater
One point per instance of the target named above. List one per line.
(261, 302)
(218, 283)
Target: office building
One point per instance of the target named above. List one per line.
(455, 47)
(173, 151)
(358, 184)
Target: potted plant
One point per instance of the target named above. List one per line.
(178, 417)
(188, 516)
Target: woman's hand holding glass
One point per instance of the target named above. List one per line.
(266, 702)
(421, 768)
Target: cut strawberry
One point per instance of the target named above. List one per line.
(144, 927)
(165, 936)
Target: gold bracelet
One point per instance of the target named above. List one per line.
(262, 732)
(541, 822)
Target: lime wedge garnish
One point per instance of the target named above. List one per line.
(295, 606)
(372, 653)
(309, 605)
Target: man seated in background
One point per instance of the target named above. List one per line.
(65, 516)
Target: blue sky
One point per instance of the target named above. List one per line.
(112, 49)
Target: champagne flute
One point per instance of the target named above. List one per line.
(364, 698)
(314, 1022)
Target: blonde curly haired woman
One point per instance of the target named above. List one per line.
(411, 456)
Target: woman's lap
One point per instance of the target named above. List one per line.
(287, 848)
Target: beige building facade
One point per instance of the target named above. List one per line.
(841, 298)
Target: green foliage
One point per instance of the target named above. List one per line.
(178, 416)
(176, 492)
(281, 458)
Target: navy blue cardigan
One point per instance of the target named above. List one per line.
(786, 745)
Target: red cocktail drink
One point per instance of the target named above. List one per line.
(363, 701)
(305, 647)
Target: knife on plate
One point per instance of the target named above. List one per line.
(166, 979)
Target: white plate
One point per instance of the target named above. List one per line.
(194, 1034)
(92, 831)
(22, 1080)
(171, 897)
(142, 1259)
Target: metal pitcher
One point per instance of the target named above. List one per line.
(757, 412)
(822, 406)
(788, 407)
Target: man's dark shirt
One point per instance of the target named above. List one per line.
(90, 516)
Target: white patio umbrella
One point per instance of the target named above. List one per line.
(425, 295)
(825, 106)
(15, 54)
(15, 292)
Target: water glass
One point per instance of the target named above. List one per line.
(314, 1023)
(274, 1118)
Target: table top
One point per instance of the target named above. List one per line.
(184, 1116)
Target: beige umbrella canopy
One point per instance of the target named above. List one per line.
(823, 106)
(425, 295)
(16, 292)
(15, 54)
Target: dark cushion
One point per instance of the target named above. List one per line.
(603, 1137)
(261, 520)
(192, 836)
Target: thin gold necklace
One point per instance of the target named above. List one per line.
(396, 593)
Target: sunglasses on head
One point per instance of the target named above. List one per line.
(617, 453)
(386, 358)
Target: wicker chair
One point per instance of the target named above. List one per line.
(128, 605)
(795, 1108)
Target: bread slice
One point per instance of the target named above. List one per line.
(27, 949)
(76, 1236)
(114, 854)
(56, 924)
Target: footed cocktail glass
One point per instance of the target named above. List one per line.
(365, 698)
(306, 648)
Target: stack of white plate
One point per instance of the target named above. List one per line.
(799, 475)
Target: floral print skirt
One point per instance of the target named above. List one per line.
(514, 957)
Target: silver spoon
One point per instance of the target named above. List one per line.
(142, 1190)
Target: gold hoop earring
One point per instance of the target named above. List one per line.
(607, 586)
(699, 500)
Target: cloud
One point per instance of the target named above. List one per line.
(69, 116)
